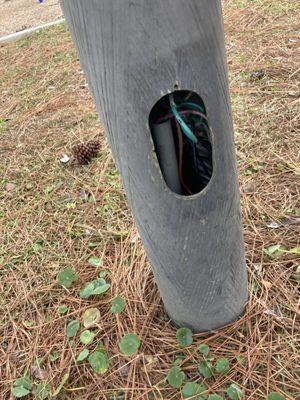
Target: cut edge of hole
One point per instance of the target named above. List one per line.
(156, 117)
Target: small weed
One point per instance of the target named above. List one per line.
(175, 377)
(129, 344)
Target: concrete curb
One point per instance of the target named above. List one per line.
(19, 35)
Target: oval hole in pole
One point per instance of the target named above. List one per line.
(183, 141)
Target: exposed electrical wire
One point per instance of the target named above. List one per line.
(183, 112)
(192, 140)
(185, 128)
(180, 146)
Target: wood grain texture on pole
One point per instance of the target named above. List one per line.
(133, 52)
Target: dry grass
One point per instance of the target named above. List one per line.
(47, 224)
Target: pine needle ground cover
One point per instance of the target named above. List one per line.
(80, 314)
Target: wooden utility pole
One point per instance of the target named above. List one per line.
(170, 55)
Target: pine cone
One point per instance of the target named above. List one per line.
(83, 153)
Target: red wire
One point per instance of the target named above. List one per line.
(170, 115)
(188, 96)
(180, 146)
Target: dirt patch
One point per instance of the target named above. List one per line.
(17, 15)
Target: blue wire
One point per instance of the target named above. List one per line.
(185, 128)
(194, 106)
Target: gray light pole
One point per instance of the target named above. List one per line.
(157, 71)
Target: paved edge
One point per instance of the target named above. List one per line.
(26, 32)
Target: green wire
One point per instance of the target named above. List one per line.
(185, 128)
(196, 107)
(192, 105)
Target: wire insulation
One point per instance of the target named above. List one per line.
(192, 140)
(185, 128)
